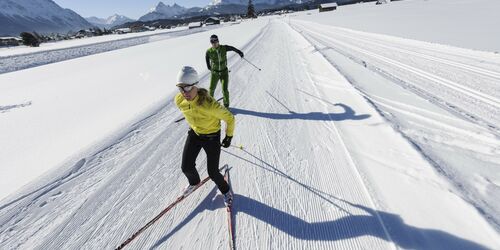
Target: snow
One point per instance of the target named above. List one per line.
(421, 88)
(98, 97)
(346, 139)
(471, 24)
(4, 52)
(27, 57)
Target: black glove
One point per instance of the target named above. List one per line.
(241, 54)
(227, 141)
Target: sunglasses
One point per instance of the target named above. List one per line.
(185, 89)
(214, 41)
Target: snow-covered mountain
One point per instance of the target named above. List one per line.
(43, 16)
(268, 2)
(240, 6)
(109, 22)
(218, 2)
(163, 11)
(278, 3)
(218, 7)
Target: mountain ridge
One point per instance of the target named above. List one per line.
(110, 21)
(43, 16)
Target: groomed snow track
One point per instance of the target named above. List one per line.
(319, 168)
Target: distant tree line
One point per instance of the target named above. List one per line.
(33, 39)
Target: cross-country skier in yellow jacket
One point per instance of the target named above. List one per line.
(203, 114)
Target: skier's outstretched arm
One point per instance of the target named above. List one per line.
(231, 48)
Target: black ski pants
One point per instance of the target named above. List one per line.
(211, 144)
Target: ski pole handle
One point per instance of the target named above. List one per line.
(240, 146)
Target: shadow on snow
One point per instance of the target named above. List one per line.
(369, 223)
(348, 114)
(210, 203)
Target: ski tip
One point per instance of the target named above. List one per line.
(224, 167)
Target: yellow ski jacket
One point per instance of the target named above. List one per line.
(205, 119)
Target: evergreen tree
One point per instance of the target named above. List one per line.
(251, 10)
(39, 37)
(29, 39)
(98, 31)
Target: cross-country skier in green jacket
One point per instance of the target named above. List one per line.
(216, 58)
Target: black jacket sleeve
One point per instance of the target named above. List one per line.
(231, 48)
(207, 59)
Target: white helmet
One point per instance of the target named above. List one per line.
(187, 75)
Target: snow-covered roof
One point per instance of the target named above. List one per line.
(328, 5)
(213, 18)
(124, 29)
(194, 24)
(10, 38)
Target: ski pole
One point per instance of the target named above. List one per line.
(251, 64)
(164, 211)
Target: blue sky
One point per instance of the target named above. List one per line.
(130, 8)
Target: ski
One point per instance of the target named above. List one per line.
(229, 213)
(168, 208)
(182, 118)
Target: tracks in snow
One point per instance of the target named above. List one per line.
(467, 86)
(432, 130)
(291, 149)
(297, 182)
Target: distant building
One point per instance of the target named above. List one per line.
(194, 25)
(327, 7)
(10, 41)
(236, 19)
(123, 30)
(212, 21)
(138, 28)
(84, 33)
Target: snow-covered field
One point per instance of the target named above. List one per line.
(351, 140)
(461, 23)
(19, 50)
(62, 108)
(23, 57)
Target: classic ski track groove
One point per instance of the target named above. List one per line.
(355, 168)
(394, 47)
(423, 92)
(460, 88)
(464, 193)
